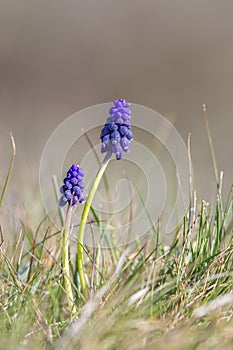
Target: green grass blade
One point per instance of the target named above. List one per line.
(57, 194)
(6, 183)
(211, 145)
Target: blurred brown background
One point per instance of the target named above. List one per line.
(57, 57)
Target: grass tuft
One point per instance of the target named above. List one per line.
(143, 296)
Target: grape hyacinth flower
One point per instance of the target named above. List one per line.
(115, 137)
(72, 190)
(116, 133)
(72, 193)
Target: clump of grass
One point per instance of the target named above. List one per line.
(153, 296)
(143, 296)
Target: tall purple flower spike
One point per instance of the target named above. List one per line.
(116, 133)
(72, 190)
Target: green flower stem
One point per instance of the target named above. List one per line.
(65, 261)
(82, 227)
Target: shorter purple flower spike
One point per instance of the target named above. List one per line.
(116, 133)
(72, 189)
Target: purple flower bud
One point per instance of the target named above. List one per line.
(74, 173)
(80, 172)
(106, 143)
(125, 144)
(130, 135)
(68, 194)
(75, 167)
(112, 126)
(117, 149)
(105, 130)
(62, 201)
(115, 137)
(75, 200)
(82, 200)
(106, 139)
(123, 130)
(119, 120)
(81, 184)
(74, 181)
(68, 185)
(77, 190)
